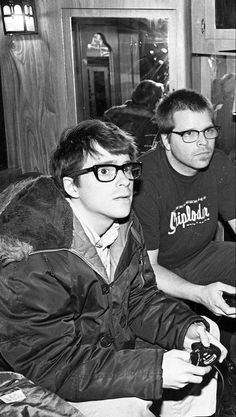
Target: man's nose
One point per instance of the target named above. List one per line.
(122, 178)
(201, 139)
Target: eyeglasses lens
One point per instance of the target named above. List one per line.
(211, 133)
(108, 173)
(193, 135)
(133, 172)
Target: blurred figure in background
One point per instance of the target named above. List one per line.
(137, 116)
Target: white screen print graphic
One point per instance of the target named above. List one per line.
(190, 213)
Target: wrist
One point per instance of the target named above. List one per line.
(197, 294)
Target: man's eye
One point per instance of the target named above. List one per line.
(128, 168)
(189, 132)
(104, 171)
(210, 130)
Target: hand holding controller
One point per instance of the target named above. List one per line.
(204, 356)
(230, 299)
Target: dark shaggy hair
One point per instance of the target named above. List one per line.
(147, 93)
(79, 141)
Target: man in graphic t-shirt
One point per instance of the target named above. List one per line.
(186, 184)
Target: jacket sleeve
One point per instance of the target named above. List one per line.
(39, 339)
(153, 315)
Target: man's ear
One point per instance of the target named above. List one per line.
(70, 187)
(165, 141)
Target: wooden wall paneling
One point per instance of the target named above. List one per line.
(28, 96)
(116, 4)
(55, 90)
(205, 76)
(9, 78)
(22, 90)
(196, 73)
(184, 43)
(38, 79)
(33, 93)
(197, 14)
(231, 64)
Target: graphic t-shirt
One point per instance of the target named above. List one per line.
(179, 213)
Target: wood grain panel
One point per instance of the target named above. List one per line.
(30, 94)
(39, 98)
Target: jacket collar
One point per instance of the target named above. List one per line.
(34, 215)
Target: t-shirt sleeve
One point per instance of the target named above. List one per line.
(225, 174)
(147, 208)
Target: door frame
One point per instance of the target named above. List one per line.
(178, 68)
(81, 80)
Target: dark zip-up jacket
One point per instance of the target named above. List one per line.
(62, 324)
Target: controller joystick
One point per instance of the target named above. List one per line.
(204, 356)
(230, 299)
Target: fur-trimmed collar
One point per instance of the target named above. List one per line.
(34, 215)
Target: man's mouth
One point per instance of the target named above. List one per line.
(122, 197)
(203, 153)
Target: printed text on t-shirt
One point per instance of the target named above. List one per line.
(190, 213)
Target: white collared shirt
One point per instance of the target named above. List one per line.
(101, 243)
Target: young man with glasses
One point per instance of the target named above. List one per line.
(80, 311)
(186, 185)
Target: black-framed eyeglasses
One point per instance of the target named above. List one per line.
(108, 172)
(192, 135)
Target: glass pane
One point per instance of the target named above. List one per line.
(6, 10)
(14, 24)
(113, 55)
(223, 90)
(29, 21)
(225, 14)
(153, 51)
(17, 9)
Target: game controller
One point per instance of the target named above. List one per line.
(204, 356)
(230, 299)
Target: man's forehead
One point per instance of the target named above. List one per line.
(189, 117)
(104, 156)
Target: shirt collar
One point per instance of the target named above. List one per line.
(98, 241)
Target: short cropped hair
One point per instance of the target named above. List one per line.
(77, 142)
(177, 101)
(147, 93)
